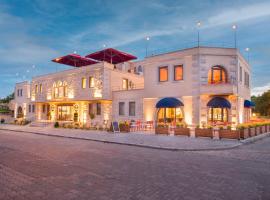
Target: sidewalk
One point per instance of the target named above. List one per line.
(136, 139)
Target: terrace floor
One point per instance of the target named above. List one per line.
(143, 139)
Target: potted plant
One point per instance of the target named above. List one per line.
(258, 129)
(181, 129)
(229, 133)
(162, 129)
(244, 131)
(252, 130)
(56, 125)
(204, 132)
(124, 127)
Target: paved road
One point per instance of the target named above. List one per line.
(43, 167)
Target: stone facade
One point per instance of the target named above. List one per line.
(143, 88)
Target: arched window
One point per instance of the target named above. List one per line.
(60, 89)
(218, 114)
(65, 89)
(169, 115)
(216, 75)
(19, 112)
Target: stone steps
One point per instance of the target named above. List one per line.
(41, 124)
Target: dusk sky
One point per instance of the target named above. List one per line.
(32, 32)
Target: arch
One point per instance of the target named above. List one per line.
(218, 109)
(19, 112)
(169, 110)
(140, 69)
(217, 74)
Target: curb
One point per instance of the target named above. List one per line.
(243, 142)
(255, 138)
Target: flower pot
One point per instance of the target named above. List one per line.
(244, 133)
(252, 131)
(124, 128)
(162, 130)
(229, 134)
(203, 132)
(258, 130)
(182, 131)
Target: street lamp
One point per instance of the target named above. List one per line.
(234, 27)
(247, 50)
(146, 45)
(198, 28)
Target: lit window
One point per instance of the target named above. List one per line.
(125, 84)
(98, 108)
(218, 114)
(132, 108)
(83, 83)
(163, 74)
(36, 89)
(178, 72)
(241, 74)
(217, 75)
(91, 82)
(121, 108)
(91, 109)
(65, 89)
(40, 88)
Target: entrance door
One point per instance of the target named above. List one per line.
(65, 113)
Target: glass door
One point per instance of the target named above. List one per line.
(65, 113)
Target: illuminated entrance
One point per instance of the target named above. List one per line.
(169, 110)
(218, 108)
(169, 115)
(65, 113)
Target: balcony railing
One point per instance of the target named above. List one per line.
(130, 87)
(218, 88)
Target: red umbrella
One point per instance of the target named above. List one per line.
(111, 55)
(74, 60)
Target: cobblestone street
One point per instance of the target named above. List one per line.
(44, 167)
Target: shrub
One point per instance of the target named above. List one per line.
(162, 126)
(240, 127)
(209, 127)
(2, 121)
(181, 124)
(92, 116)
(56, 125)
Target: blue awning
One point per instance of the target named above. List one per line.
(219, 102)
(169, 102)
(248, 104)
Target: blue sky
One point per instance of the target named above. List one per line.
(32, 32)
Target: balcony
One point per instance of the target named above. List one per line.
(130, 87)
(218, 89)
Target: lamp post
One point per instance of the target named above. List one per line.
(198, 28)
(146, 45)
(247, 50)
(234, 27)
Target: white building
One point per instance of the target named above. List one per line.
(210, 85)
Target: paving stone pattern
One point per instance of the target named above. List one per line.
(43, 167)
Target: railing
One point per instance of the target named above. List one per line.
(131, 87)
(218, 88)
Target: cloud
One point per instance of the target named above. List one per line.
(260, 90)
(241, 13)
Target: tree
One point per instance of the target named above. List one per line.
(262, 103)
(7, 99)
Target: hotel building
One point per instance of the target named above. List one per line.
(198, 86)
